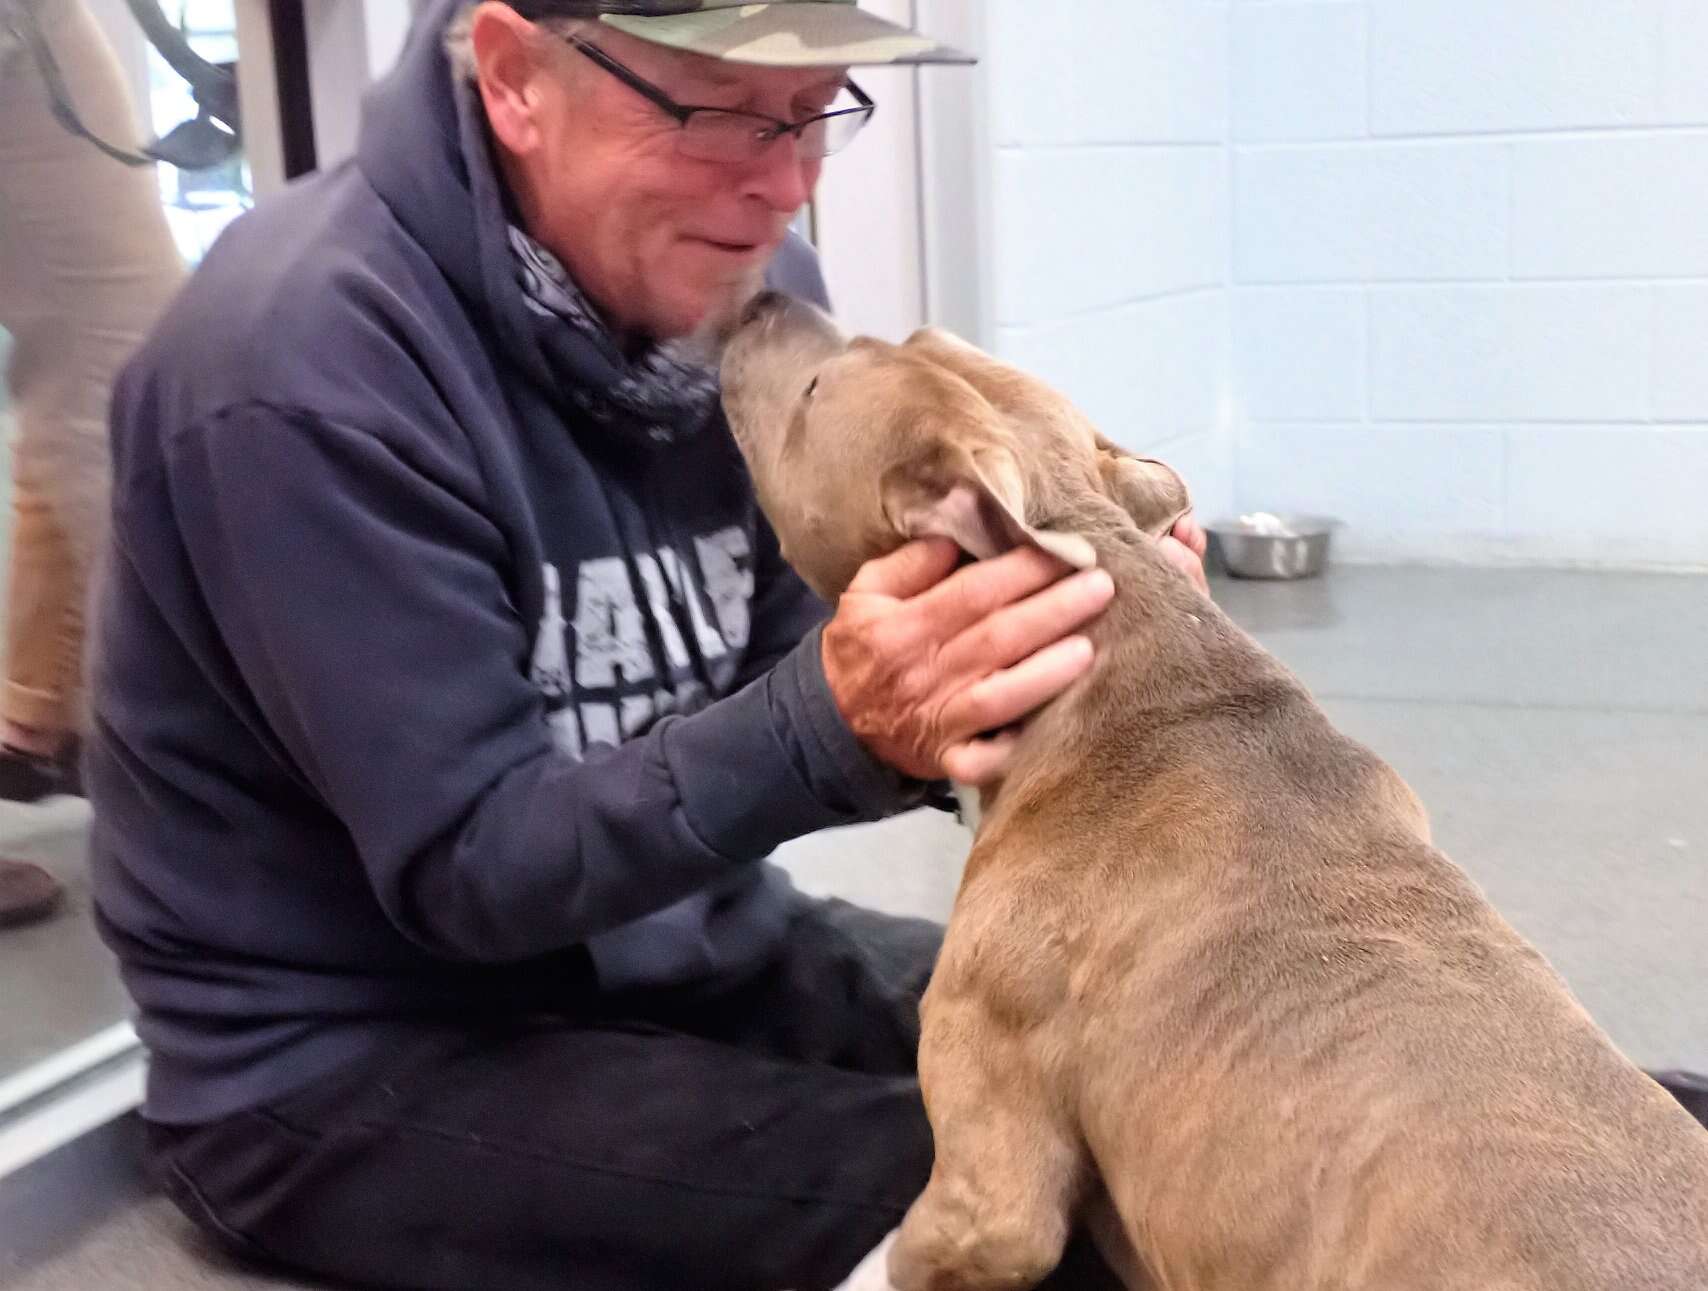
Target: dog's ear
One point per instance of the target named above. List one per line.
(1148, 490)
(977, 497)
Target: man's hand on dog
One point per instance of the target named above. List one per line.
(1185, 546)
(923, 658)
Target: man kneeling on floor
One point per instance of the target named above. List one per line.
(450, 689)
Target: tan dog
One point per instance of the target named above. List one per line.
(1206, 979)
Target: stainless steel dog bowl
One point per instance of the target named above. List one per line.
(1273, 546)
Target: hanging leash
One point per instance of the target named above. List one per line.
(212, 136)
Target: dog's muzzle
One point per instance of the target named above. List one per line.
(762, 306)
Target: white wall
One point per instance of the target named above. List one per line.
(1108, 211)
(900, 218)
(1470, 274)
(866, 215)
(350, 44)
(1439, 267)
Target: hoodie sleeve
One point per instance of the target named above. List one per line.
(784, 609)
(795, 269)
(362, 602)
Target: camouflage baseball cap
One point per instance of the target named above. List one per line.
(780, 33)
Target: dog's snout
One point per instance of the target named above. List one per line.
(766, 302)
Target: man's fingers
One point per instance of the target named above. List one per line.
(1012, 693)
(976, 590)
(1185, 560)
(1187, 530)
(980, 761)
(908, 570)
(1015, 631)
(922, 660)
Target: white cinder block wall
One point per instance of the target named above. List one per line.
(1470, 274)
(1109, 206)
(1439, 267)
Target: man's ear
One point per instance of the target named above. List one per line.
(506, 72)
(1152, 493)
(978, 499)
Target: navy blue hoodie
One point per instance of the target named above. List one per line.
(419, 694)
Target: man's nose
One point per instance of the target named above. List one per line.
(781, 176)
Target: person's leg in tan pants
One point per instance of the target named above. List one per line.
(86, 265)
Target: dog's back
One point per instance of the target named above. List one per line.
(1307, 1052)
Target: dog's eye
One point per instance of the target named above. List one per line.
(811, 386)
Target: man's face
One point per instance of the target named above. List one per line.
(663, 243)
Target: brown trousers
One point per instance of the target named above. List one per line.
(86, 265)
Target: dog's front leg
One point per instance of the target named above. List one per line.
(998, 1209)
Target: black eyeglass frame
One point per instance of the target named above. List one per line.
(774, 128)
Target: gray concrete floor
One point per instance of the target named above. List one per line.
(1556, 724)
(60, 986)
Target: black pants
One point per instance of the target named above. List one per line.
(761, 1139)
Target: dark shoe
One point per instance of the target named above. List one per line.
(1689, 1087)
(27, 893)
(30, 777)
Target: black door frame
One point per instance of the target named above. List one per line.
(290, 78)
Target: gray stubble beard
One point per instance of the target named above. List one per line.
(706, 342)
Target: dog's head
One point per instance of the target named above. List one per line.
(856, 446)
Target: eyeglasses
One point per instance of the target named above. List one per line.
(719, 134)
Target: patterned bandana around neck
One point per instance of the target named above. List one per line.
(666, 387)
